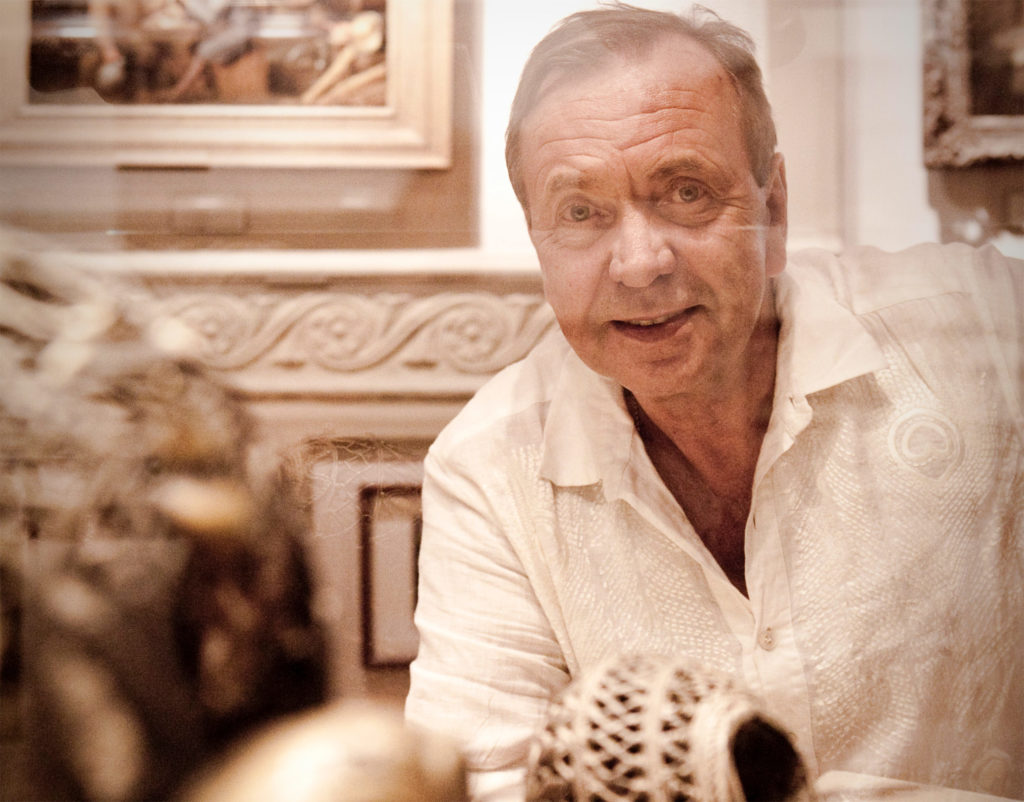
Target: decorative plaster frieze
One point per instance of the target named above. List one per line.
(284, 341)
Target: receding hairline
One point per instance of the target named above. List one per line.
(560, 76)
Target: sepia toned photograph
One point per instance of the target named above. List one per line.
(511, 400)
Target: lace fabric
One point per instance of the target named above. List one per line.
(885, 618)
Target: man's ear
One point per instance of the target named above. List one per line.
(776, 202)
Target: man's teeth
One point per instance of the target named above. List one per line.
(654, 321)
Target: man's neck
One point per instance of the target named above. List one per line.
(705, 449)
(718, 430)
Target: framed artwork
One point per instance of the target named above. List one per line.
(391, 527)
(365, 502)
(198, 83)
(973, 81)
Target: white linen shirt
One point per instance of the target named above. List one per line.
(885, 619)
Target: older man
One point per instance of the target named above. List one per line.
(805, 471)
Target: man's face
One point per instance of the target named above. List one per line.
(654, 239)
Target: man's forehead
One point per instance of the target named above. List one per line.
(674, 103)
(629, 117)
(660, 93)
(674, 58)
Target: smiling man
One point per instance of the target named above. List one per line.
(657, 244)
(804, 470)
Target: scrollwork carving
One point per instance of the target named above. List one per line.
(222, 324)
(482, 334)
(470, 332)
(348, 332)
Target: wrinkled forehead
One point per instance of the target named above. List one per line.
(677, 86)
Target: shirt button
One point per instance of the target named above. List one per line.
(766, 639)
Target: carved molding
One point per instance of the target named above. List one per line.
(465, 332)
(279, 341)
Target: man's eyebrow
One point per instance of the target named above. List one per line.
(562, 180)
(684, 164)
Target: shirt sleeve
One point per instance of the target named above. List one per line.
(488, 660)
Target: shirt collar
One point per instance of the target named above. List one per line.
(588, 432)
(822, 343)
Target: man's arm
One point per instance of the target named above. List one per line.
(488, 660)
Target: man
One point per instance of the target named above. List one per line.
(803, 471)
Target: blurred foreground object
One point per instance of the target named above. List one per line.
(349, 752)
(662, 730)
(164, 609)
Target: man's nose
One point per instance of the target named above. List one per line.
(640, 252)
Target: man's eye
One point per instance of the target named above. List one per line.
(579, 212)
(689, 193)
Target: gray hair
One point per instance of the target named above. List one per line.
(591, 39)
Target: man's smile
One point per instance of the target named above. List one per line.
(651, 321)
(654, 328)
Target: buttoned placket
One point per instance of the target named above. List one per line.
(762, 623)
(772, 662)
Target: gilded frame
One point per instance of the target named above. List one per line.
(412, 129)
(954, 134)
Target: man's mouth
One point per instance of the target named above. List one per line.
(653, 321)
(653, 329)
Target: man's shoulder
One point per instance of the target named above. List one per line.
(868, 279)
(519, 391)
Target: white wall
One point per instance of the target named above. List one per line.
(890, 199)
(886, 182)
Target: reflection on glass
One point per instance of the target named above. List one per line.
(326, 52)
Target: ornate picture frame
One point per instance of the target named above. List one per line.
(407, 125)
(973, 81)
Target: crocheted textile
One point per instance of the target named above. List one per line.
(648, 728)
